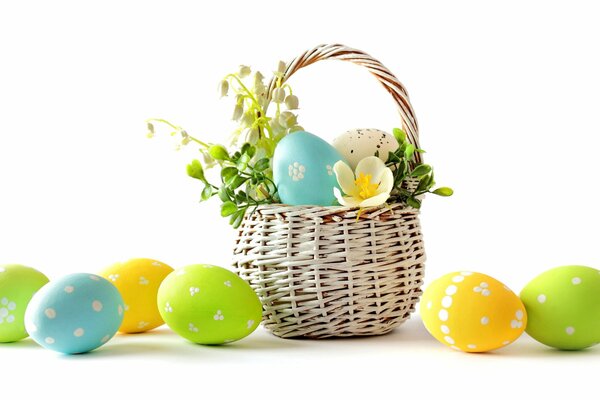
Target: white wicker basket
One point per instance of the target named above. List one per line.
(321, 271)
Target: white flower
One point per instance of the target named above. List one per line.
(369, 186)
(291, 102)
(223, 88)
(244, 71)
(281, 66)
(278, 95)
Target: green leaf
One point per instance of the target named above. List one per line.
(393, 158)
(400, 173)
(421, 170)
(420, 151)
(248, 149)
(241, 196)
(228, 174)
(237, 217)
(399, 134)
(424, 184)
(218, 152)
(242, 163)
(195, 170)
(409, 151)
(262, 164)
(443, 191)
(223, 194)
(414, 203)
(228, 208)
(245, 148)
(207, 192)
(400, 150)
(237, 182)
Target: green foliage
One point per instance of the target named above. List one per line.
(244, 184)
(407, 174)
(245, 169)
(245, 163)
(195, 170)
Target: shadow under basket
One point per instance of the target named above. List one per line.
(322, 272)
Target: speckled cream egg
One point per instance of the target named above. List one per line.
(18, 284)
(563, 305)
(356, 144)
(303, 170)
(206, 304)
(74, 314)
(472, 312)
(138, 281)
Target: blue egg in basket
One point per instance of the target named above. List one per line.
(303, 170)
(75, 314)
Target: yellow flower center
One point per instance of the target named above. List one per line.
(366, 188)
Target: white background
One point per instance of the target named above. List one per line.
(507, 99)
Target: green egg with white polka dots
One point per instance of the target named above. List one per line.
(18, 284)
(206, 304)
(563, 306)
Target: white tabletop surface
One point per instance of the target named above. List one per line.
(405, 362)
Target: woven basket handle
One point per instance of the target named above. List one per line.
(383, 75)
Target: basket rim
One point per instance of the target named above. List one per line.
(320, 211)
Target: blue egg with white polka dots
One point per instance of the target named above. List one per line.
(75, 314)
(303, 170)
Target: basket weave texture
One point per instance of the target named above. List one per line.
(332, 271)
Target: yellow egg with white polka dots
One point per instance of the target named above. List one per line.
(138, 281)
(472, 312)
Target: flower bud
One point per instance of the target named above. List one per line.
(291, 102)
(251, 136)
(287, 119)
(238, 111)
(281, 67)
(207, 159)
(223, 88)
(248, 118)
(275, 125)
(244, 71)
(278, 95)
(258, 79)
(218, 152)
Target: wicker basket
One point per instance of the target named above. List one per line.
(321, 272)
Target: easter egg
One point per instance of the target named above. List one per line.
(563, 305)
(356, 144)
(17, 285)
(75, 314)
(209, 305)
(138, 281)
(472, 312)
(303, 170)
